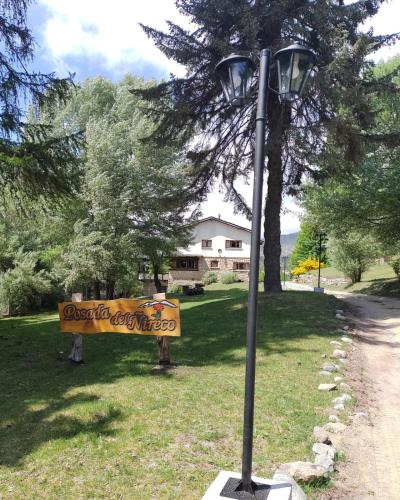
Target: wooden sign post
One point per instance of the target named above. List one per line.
(76, 354)
(164, 343)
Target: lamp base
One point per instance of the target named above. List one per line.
(227, 485)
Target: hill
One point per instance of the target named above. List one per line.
(287, 243)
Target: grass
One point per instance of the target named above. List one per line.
(110, 429)
(380, 279)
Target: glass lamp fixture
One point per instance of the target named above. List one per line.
(294, 65)
(235, 73)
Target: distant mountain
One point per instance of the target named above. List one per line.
(287, 243)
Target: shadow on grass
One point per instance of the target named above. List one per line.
(382, 287)
(36, 376)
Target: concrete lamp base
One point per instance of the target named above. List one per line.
(318, 289)
(268, 488)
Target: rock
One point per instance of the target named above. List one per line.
(335, 427)
(330, 368)
(339, 407)
(321, 436)
(346, 397)
(339, 311)
(324, 462)
(336, 343)
(361, 414)
(327, 387)
(343, 361)
(341, 399)
(340, 316)
(338, 379)
(302, 471)
(323, 356)
(333, 418)
(338, 353)
(324, 449)
(325, 373)
(346, 339)
(345, 386)
(345, 328)
(297, 492)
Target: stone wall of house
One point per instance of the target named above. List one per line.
(225, 264)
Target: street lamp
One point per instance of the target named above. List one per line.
(322, 237)
(294, 65)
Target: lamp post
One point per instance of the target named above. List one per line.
(235, 72)
(321, 236)
(285, 259)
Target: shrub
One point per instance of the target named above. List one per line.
(261, 276)
(395, 263)
(306, 265)
(174, 288)
(210, 277)
(22, 288)
(229, 278)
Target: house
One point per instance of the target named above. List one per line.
(218, 246)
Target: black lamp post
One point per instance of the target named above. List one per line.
(321, 239)
(294, 65)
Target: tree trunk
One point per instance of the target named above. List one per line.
(110, 289)
(96, 290)
(272, 221)
(156, 279)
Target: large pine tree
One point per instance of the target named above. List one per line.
(222, 137)
(33, 160)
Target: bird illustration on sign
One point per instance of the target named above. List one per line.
(158, 306)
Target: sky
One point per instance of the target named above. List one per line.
(98, 37)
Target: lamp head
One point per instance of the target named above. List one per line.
(294, 65)
(235, 73)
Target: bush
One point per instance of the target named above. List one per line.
(229, 278)
(305, 266)
(175, 288)
(261, 276)
(22, 288)
(395, 263)
(210, 277)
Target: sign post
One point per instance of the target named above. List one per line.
(76, 354)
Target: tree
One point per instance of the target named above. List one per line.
(192, 109)
(352, 254)
(307, 244)
(131, 190)
(367, 199)
(33, 161)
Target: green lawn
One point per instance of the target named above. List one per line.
(380, 279)
(110, 429)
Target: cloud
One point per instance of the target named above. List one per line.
(108, 32)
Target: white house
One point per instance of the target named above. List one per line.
(218, 246)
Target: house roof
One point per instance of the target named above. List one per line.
(217, 219)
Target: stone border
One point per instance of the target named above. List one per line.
(326, 437)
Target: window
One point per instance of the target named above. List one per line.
(233, 243)
(241, 266)
(206, 244)
(214, 264)
(186, 263)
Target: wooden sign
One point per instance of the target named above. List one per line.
(142, 317)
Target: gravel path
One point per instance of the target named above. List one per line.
(371, 446)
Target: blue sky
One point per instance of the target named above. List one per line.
(103, 37)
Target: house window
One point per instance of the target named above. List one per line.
(186, 263)
(206, 243)
(214, 264)
(233, 243)
(241, 266)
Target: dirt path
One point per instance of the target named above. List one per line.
(371, 446)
